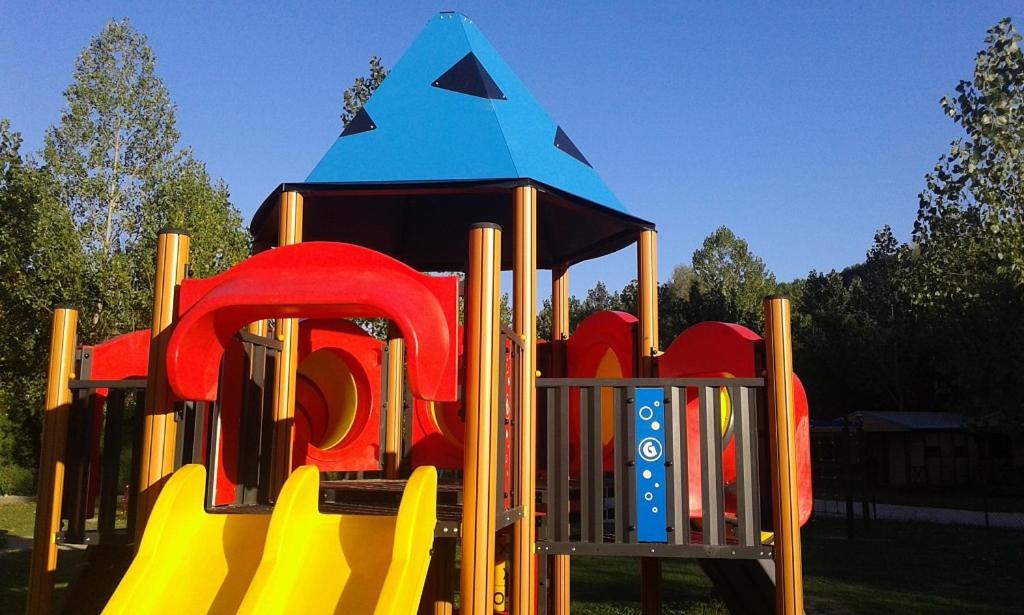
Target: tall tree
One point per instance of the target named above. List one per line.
(115, 142)
(971, 212)
(356, 95)
(118, 168)
(729, 280)
(40, 265)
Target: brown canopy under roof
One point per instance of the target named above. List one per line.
(426, 225)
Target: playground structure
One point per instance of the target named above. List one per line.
(594, 443)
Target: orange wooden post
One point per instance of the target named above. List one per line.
(395, 402)
(647, 314)
(287, 330)
(560, 594)
(523, 590)
(789, 576)
(483, 321)
(156, 456)
(63, 332)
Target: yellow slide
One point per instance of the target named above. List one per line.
(295, 560)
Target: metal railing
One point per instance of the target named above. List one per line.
(577, 478)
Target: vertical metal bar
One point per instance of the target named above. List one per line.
(745, 434)
(502, 426)
(677, 482)
(562, 476)
(110, 463)
(213, 452)
(139, 396)
(712, 489)
(621, 469)
(551, 464)
(591, 466)
(630, 447)
(76, 473)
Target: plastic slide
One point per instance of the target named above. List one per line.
(295, 560)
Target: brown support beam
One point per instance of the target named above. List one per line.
(43, 565)
(559, 595)
(483, 323)
(523, 589)
(289, 232)
(647, 314)
(159, 430)
(395, 402)
(789, 576)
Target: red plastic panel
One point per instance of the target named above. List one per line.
(120, 358)
(602, 346)
(359, 356)
(316, 280)
(718, 349)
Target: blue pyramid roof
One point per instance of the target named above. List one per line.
(452, 110)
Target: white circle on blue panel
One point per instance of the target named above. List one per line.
(657, 485)
(654, 509)
(647, 473)
(657, 404)
(645, 412)
(655, 425)
(648, 496)
(649, 449)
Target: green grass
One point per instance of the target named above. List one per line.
(17, 519)
(888, 568)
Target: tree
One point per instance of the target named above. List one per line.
(115, 160)
(356, 95)
(40, 265)
(969, 234)
(971, 213)
(729, 280)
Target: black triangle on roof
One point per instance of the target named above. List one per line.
(468, 76)
(564, 143)
(360, 122)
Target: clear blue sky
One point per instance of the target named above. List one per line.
(802, 127)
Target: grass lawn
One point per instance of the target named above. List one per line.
(889, 568)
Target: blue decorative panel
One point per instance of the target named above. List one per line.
(651, 516)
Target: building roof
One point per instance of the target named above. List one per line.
(909, 421)
(451, 119)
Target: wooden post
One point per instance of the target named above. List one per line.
(63, 333)
(789, 576)
(159, 429)
(647, 314)
(395, 402)
(523, 590)
(483, 322)
(287, 330)
(560, 594)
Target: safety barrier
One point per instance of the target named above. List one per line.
(664, 504)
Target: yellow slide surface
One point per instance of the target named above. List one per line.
(296, 560)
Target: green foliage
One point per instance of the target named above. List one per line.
(729, 281)
(971, 213)
(355, 96)
(16, 480)
(81, 228)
